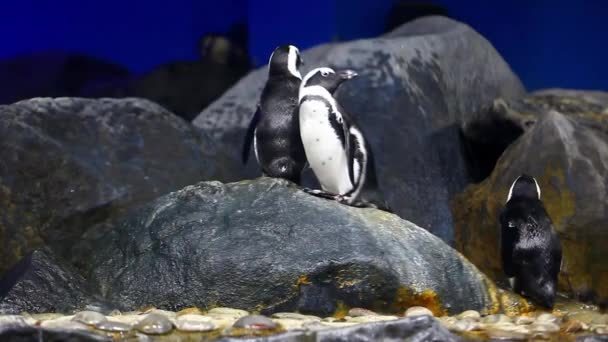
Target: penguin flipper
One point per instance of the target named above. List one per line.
(250, 135)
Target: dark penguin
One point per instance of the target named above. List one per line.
(274, 128)
(335, 147)
(530, 247)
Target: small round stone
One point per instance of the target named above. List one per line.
(255, 322)
(113, 326)
(546, 327)
(358, 312)
(547, 318)
(12, 320)
(504, 326)
(418, 311)
(194, 326)
(89, 317)
(373, 318)
(599, 329)
(64, 325)
(295, 316)
(470, 314)
(464, 326)
(292, 324)
(168, 314)
(154, 324)
(127, 319)
(523, 320)
(189, 311)
(505, 335)
(574, 326)
(498, 318)
(228, 312)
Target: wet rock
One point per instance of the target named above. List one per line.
(255, 322)
(35, 333)
(470, 314)
(501, 335)
(71, 167)
(154, 324)
(373, 318)
(236, 313)
(296, 316)
(41, 282)
(570, 129)
(545, 327)
(113, 326)
(464, 325)
(418, 311)
(189, 311)
(360, 258)
(190, 325)
(64, 325)
(548, 318)
(8, 322)
(356, 312)
(572, 327)
(412, 93)
(89, 317)
(498, 318)
(523, 320)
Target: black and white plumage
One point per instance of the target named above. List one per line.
(335, 147)
(274, 128)
(530, 248)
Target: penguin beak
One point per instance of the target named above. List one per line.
(347, 74)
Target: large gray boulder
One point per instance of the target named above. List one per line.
(416, 85)
(267, 246)
(71, 166)
(42, 283)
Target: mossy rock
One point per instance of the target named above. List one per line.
(566, 149)
(266, 246)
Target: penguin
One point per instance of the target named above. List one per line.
(274, 128)
(530, 248)
(335, 146)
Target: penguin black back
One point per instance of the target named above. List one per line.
(274, 129)
(530, 248)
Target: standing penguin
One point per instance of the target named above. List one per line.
(335, 147)
(530, 247)
(274, 128)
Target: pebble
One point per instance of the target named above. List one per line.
(359, 312)
(64, 325)
(418, 311)
(255, 322)
(547, 318)
(523, 320)
(194, 326)
(12, 320)
(113, 326)
(498, 318)
(154, 324)
(89, 317)
(373, 318)
(295, 316)
(190, 311)
(464, 326)
(292, 324)
(46, 316)
(470, 314)
(228, 312)
(545, 327)
(505, 335)
(130, 319)
(600, 329)
(574, 326)
(504, 326)
(168, 314)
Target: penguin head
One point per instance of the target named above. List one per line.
(524, 187)
(327, 78)
(285, 60)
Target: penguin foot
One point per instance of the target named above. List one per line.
(320, 193)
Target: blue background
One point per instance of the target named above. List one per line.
(547, 43)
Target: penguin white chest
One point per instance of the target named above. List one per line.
(323, 147)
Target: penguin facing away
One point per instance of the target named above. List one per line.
(274, 128)
(335, 147)
(530, 248)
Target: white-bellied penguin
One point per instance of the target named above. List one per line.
(274, 128)
(335, 147)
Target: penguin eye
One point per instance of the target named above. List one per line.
(324, 73)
